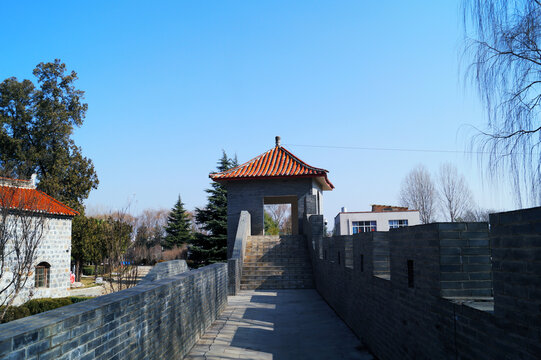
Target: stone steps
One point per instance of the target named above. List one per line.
(270, 257)
(273, 284)
(286, 277)
(275, 266)
(264, 261)
(274, 262)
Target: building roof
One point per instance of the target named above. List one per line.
(275, 163)
(385, 208)
(372, 212)
(30, 199)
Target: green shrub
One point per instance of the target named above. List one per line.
(88, 270)
(78, 299)
(36, 306)
(15, 312)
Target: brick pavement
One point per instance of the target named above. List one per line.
(278, 325)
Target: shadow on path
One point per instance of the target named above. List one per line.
(279, 325)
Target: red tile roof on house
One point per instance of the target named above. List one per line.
(275, 163)
(30, 199)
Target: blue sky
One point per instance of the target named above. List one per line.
(171, 83)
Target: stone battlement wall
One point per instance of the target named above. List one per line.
(160, 319)
(426, 291)
(236, 261)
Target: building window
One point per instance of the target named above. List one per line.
(394, 224)
(43, 275)
(363, 226)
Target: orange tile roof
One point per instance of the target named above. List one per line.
(28, 199)
(275, 163)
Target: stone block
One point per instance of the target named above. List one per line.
(450, 251)
(477, 268)
(449, 242)
(451, 260)
(455, 276)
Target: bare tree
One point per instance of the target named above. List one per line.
(149, 230)
(116, 229)
(418, 193)
(454, 193)
(194, 225)
(149, 227)
(281, 214)
(503, 41)
(22, 229)
(477, 214)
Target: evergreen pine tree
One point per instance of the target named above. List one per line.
(178, 229)
(271, 226)
(212, 247)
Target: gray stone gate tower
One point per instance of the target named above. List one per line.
(274, 177)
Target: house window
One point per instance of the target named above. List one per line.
(43, 275)
(394, 224)
(363, 226)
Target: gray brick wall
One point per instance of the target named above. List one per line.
(236, 261)
(248, 195)
(516, 250)
(165, 270)
(54, 249)
(161, 319)
(398, 319)
(465, 264)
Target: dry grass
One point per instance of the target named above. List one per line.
(87, 281)
(174, 253)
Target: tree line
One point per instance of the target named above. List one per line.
(37, 120)
(445, 195)
(200, 237)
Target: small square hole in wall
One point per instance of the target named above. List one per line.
(410, 274)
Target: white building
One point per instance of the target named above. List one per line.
(28, 216)
(381, 218)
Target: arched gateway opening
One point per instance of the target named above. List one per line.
(274, 177)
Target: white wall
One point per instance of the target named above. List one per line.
(55, 249)
(343, 221)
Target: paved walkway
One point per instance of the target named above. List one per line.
(278, 325)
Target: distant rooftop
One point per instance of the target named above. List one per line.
(378, 208)
(381, 208)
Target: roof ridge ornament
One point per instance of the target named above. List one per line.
(277, 139)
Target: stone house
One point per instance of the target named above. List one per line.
(29, 216)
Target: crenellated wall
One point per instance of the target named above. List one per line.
(432, 299)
